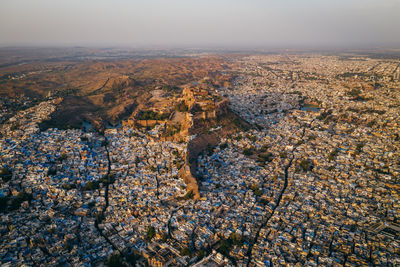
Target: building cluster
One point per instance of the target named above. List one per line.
(340, 205)
(313, 182)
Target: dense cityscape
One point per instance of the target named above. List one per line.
(312, 180)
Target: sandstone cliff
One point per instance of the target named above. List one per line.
(198, 125)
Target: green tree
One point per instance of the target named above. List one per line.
(5, 174)
(151, 232)
(68, 186)
(89, 186)
(256, 190)
(153, 168)
(3, 203)
(63, 157)
(164, 237)
(333, 154)
(306, 165)
(236, 239)
(21, 197)
(99, 217)
(115, 260)
(223, 145)
(268, 156)
(248, 151)
(225, 246)
(185, 252)
(189, 195)
(283, 155)
(132, 258)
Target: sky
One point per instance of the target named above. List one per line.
(202, 23)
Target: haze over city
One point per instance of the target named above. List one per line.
(255, 133)
(208, 23)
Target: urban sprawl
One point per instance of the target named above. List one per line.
(314, 181)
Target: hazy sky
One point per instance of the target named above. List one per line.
(180, 23)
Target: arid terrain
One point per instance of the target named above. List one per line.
(101, 91)
(140, 158)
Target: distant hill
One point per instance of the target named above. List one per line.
(101, 91)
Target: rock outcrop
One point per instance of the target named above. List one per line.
(185, 173)
(197, 125)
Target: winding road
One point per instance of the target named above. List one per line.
(278, 201)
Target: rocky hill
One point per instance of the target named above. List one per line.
(206, 127)
(104, 91)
